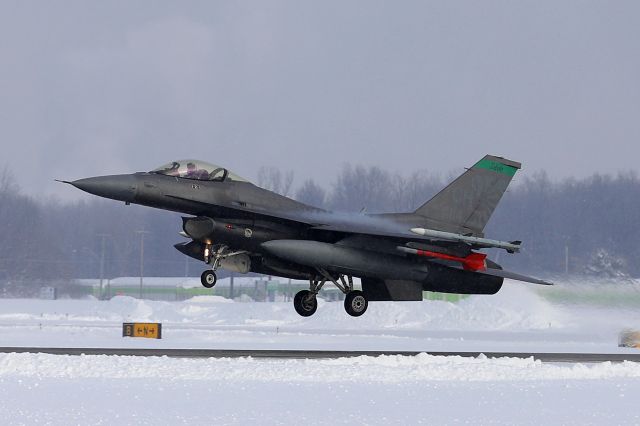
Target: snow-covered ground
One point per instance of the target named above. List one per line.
(48, 389)
(518, 318)
(93, 390)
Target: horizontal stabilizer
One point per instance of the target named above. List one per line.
(513, 276)
(469, 264)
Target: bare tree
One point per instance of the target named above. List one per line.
(273, 179)
(8, 183)
(362, 189)
(311, 193)
(409, 193)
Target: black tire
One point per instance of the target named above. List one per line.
(355, 303)
(208, 278)
(305, 303)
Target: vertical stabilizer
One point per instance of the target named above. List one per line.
(469, 201)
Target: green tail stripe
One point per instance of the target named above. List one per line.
(496, 167)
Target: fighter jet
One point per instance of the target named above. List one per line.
(233, 224)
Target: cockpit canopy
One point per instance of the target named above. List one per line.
(198, 170)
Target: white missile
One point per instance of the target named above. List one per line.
(511, 247)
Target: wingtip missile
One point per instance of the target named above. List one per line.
(511, 247)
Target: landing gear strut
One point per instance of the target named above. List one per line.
(355, 303)
(214, 257)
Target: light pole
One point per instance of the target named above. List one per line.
(142, 234)
(103, 236)
(566, 255)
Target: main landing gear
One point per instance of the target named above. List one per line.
(305, 302)
(213, 257)
(355, 303)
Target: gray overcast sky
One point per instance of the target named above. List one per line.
(91, 88)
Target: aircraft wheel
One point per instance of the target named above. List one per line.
(355, 303)
(208, 278)
(305, 303)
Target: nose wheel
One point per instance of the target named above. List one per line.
(208, 278)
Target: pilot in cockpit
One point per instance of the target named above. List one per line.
(191, 171)
(194, 173)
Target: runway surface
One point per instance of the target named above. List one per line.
(304, 354)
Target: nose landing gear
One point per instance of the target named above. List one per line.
(208, 278)
(213, 257)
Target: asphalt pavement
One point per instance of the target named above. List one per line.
(314, 354)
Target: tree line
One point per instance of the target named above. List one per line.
(584, 225)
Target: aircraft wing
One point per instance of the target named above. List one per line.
(369, 226)
(318, 220)
(389, 230)
(350, 224)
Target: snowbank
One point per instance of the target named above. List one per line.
(519, 317)
(92, 390)
(387, 369)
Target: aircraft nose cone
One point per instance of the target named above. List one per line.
(116, 187)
